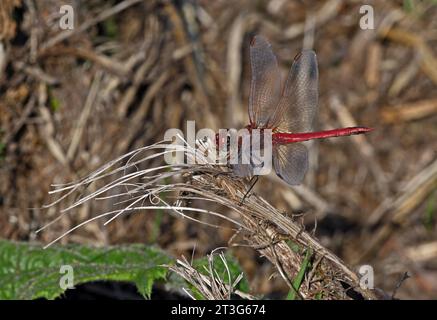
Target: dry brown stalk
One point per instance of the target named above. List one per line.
(275, 235)
(397, 210)
(211, 286)
(428, 62)
(409, 111)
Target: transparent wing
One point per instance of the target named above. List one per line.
(265, 88)
(242, 170)
(291, 162)
(298, 104)
(249, 160)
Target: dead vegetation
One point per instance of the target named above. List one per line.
(71, 101)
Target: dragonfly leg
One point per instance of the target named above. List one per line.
(253, 181)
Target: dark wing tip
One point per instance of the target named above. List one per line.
(254, 39)
(306, 52)
(259, 40)
(308, 58)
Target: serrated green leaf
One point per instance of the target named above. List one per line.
(30, 272)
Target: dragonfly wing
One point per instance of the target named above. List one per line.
(291, 162)
(265, 89)
(298, 104)
(244, 166)
(242, 170)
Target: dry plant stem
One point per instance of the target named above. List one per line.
(428, 62)
(107, 63)
(262, 226)
(265, 225)
(211, 285)
(409, 111)
(327, 12)
(36, 73)
(396, 211)
(234, 57)
(361, 143)
(89, 23)
(192, 63)
(331, 267)
(85, 114)
(21, 122)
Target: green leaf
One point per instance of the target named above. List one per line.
(409, 6)
(156, 226)
(430, 212)
(30, 272)
(293, 246)
(55, 103)
(2, 151)
(110, 27)
(300, 275)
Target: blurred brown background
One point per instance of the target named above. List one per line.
(72, 100)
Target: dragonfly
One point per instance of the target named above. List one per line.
(288, 110)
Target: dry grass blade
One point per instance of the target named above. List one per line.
(210, 285)
(327, 12)
(397, 210)
(428, 62)
(410, 111)
(101, 17)
(361, 143)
